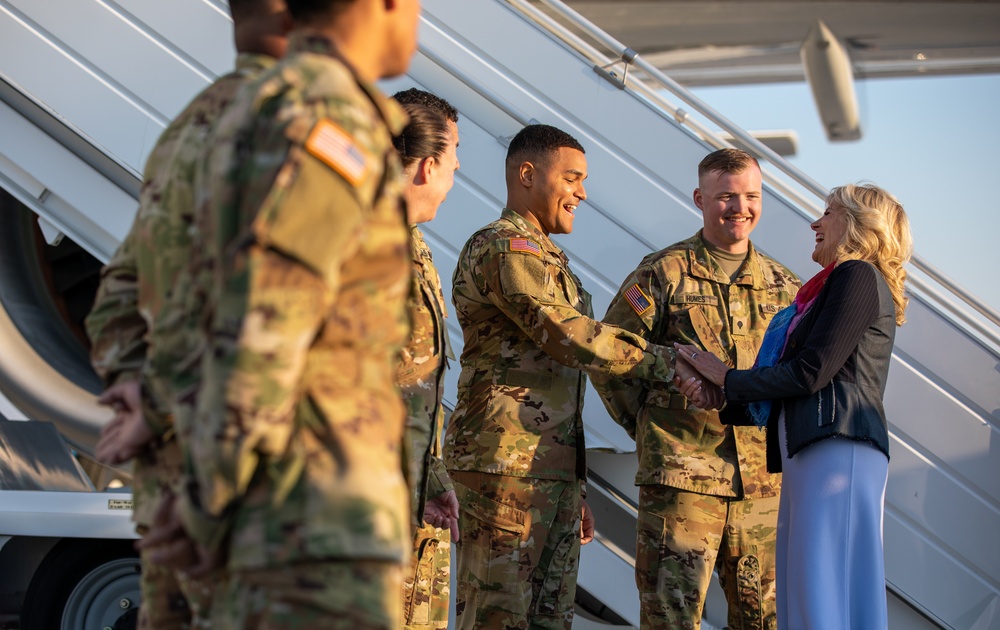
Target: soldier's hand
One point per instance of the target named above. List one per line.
(170, 546)
(166, 534)
(127, 434)
(699, 393)
(684, 371)
(442, 512)
(586, 523)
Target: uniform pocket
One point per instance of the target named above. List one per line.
(491, 543)
(554, 595)
(570, 289)
(708, 327)
(417, 589)
(650, 531)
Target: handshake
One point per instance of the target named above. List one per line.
(700, 376)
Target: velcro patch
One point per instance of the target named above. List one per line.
(770, 309)
(695, 298)
(329, 143)
(640, 301)
(525, 245)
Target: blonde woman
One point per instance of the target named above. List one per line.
(818, 387)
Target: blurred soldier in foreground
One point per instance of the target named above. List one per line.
(294, 454)
(428, 148)
(704, 490)
(514, 445)
(127, 323)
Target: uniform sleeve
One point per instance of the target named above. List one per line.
(850, 307)
(522, 286)
(438, 480)
(417, 442)
(116, 329)
(269, 300)
(119, 333)
(634, 309)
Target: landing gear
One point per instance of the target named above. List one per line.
(84, 584)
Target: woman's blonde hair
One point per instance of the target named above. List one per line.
(878, 232)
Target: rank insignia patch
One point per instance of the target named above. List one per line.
(639, 300)
(336, 148)
(525, 245)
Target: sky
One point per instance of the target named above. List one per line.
(933, 142)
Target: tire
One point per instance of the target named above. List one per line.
(83, 585)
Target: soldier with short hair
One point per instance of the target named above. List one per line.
(293, 455)
(129, 322)
(515, 444)
(704, 491)
(428, 148)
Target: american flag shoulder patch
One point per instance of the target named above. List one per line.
(525, 245)
(333, 146)
(639, 300)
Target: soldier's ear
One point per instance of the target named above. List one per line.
(426, 168)
(526, 173)
(698, 199)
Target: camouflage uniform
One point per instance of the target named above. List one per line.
(420, 375)
(702, 484)
(294, 453)
(528, 337)
(127, 323)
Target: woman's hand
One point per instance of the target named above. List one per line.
(707, 364)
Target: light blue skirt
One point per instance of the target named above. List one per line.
(830, 564)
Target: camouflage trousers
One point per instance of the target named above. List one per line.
(427, 585)
(519, 552)
(170, 600)
(345, 595)
(682, 536)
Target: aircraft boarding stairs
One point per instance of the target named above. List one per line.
(88, 86)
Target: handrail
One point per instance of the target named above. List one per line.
(629, 57)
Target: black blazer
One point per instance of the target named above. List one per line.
(831, 377)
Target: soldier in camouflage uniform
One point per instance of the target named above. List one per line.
(704, 489)
(515, 445)
(293, 456)
(126, 324)
(428, 149)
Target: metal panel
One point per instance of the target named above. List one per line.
(33, 456)
(117, 81)
(66, 514)
(60, 187)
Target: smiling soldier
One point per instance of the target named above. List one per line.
(704, 491)
(514, 446)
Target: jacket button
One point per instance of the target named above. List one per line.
(793, 344)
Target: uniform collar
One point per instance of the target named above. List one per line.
(702, 265)
(253, 63)
(419, 245)
(533, 231)
(310, 42)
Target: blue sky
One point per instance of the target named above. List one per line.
(931, 141)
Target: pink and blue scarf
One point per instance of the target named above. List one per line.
(776, 336)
